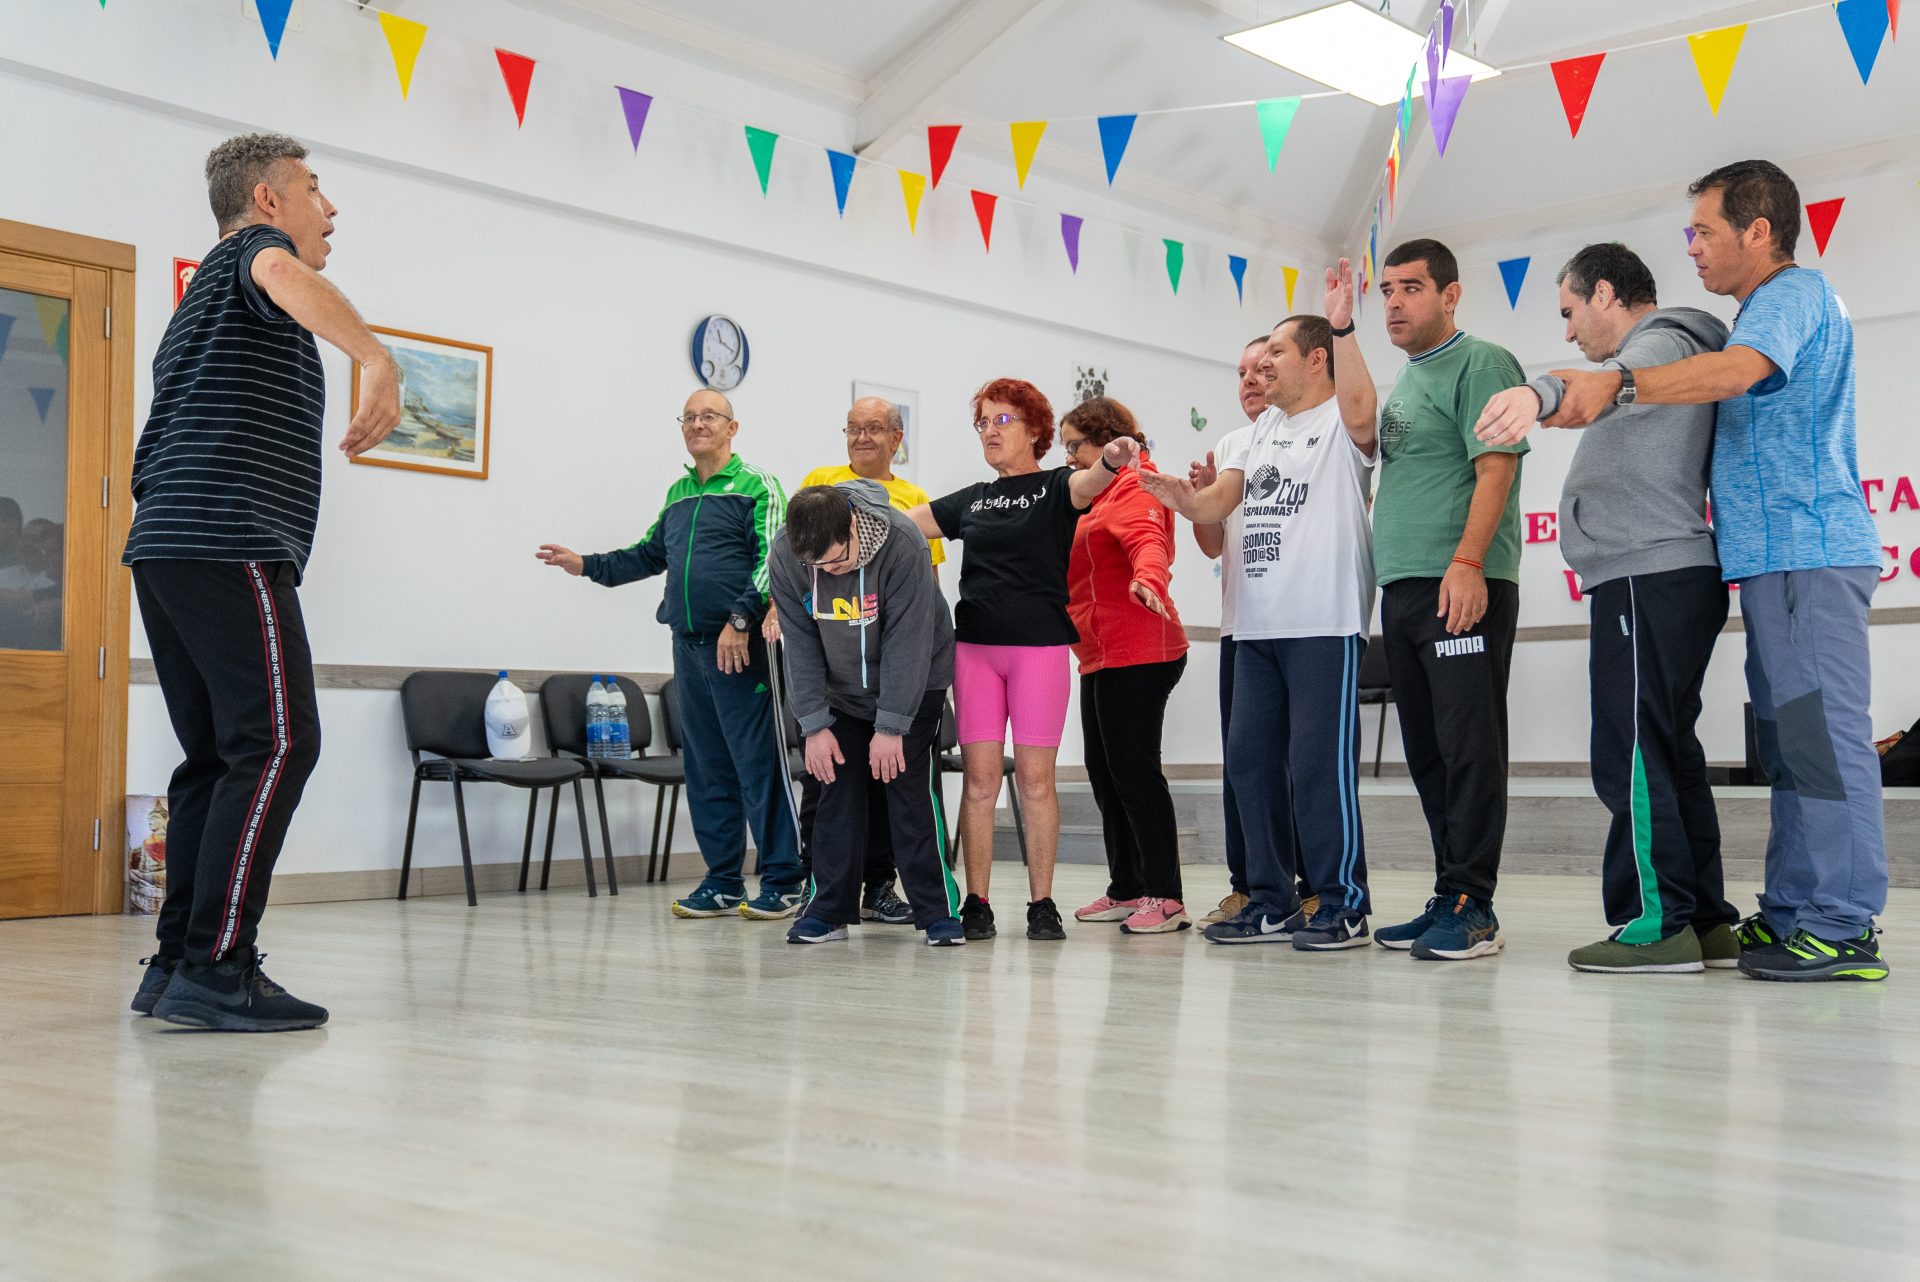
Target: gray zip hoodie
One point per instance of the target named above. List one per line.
(870, 643)
(1635, 500)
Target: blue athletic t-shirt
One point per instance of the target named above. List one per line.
(1786, 480)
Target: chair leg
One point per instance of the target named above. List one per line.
(606, 839)
(673, 813)
(546, 860)
(1380, 739)
(526, 847)
(659, 813)
(586, 844)
(1019, 821)
(466, 850)
(406, 855)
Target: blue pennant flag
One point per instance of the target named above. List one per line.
(6, 328)
(1238, 266)
(1514, 271)
(1115, 133)
(842, 164)
(273, 20)
(42, 400)
(1864, 23)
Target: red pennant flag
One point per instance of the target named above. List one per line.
(1893, 16)
(983, 204)
(940, 140)
(1574, 78)
(517, 70)
(1821, 215)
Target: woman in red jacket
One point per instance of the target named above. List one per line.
(1132, 651)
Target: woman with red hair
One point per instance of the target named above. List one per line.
(1013, 632)
(1132, 652)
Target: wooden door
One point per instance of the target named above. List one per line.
(62, 593)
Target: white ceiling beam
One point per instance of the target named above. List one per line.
(900, 93)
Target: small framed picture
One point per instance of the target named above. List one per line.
(446, 406)
(908, 403)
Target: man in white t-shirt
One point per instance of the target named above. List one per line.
(1302, 601)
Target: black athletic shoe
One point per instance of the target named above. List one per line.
(1043, 921)
(153, 982)
(976, 918)
(234, 996)
(1805, 956)
(880, 904)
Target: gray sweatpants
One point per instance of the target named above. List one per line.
(1807, 671)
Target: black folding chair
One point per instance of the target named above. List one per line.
(563, 710)
(951, 763)
(445, 714)
(1376, 686)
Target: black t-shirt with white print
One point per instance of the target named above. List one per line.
(1018, 535)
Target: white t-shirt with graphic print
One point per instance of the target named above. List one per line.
(1305, 545)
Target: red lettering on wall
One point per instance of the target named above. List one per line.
(1893, 555)
(1543, 527)
(1903, 494)
(1914, 564)
(1869, 486)
(1573, 584)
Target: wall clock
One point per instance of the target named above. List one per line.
(720, 353)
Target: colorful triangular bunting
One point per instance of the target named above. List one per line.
(1893, 16)
(983, 203)
(1514, 272)
(1238, 266)
(1291, 275)
(404, 38)
(1689, 230)
(1276, 118)
(1026, 140)
(940, 140)
(42, 400)
(760, 142)
(517, 70)
(1115, 131)
(1574, 78)
(1070, 237)
(635, 105)
(1444, 108)
(1713, 56)
(912, 187)
(6, 325)
(273, 21)
(1864, 23)
(52, 315)
(1176, 260)
(841, 163)
(1821, 215)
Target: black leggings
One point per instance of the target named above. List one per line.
(1122, 711)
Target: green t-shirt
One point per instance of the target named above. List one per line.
(1427, 448)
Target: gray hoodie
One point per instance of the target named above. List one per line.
(1635, 500)
(868, 644)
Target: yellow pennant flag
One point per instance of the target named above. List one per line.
(1292, 277)
(52, 313)
(1713, 55)
(1026, 140)
(404, 37)
(912, 187)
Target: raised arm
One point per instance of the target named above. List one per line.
(1089, 483)
(1353, 384)
(316, 306)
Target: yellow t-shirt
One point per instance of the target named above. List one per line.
(904, 495)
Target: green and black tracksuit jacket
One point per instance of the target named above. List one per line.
(711, 540)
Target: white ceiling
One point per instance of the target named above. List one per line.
(896, 66)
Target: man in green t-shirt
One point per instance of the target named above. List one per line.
(1446, 552)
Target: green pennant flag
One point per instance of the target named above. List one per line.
(1176, 259)
(760, 143)
(1276, 117)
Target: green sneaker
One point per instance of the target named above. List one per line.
(1753, 932)
(1677, 954)
(1807, 957)
(1719, 947)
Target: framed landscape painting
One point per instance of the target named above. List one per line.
(446, 405)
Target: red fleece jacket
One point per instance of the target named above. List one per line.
(1127, 535)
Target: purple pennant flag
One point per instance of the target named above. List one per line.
(1433, 56)
(1689, 231)
(1444, 106)
(1446, 27)
(1070, 236)
(635, 104)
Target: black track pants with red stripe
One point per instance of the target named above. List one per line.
(230, 650)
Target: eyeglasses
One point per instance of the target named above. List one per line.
(875, 432)
(829, 562)
(706, 418)
(998, 420)
(1072, 447)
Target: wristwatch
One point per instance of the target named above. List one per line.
(739, 622)
(1627, 393)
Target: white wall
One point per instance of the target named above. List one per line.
(586, 266)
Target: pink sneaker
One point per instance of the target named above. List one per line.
(1156, 917)
(1105, 909)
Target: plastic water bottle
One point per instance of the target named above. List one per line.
(597, 719)
(509, 727)
(620, 734)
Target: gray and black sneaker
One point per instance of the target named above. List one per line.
(1043, 921)
(153, 982)
(880, 904)
(233, 995)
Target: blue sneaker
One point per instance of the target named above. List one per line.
(1332, 928)
(705, 901)
(813, 930)
(1462, 928)
(946, 933)
(1401, 937)
(772, 905)
(1254, 925)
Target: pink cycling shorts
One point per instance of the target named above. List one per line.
(1027, 684)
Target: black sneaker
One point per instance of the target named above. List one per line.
(1806, 957)
(880, 904)
(1043, 921)
(234, 995)
(153, 982)
(976, 918)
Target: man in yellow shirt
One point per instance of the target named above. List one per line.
(874, 431)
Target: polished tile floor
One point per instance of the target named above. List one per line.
(558, 1088)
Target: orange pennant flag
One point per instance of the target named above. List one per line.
(1026, 140)
(1713, 55)
(404, 38)
(912, 187)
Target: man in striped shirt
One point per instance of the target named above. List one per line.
(227, 482)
